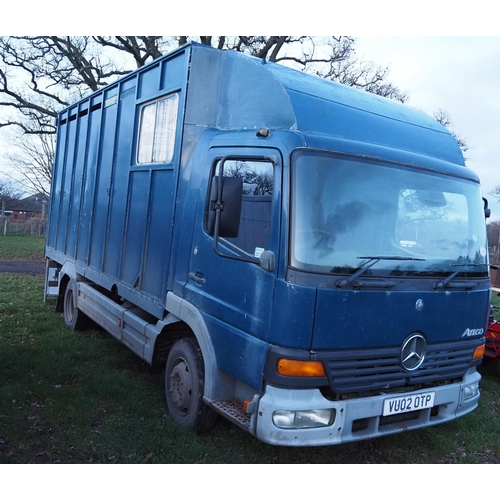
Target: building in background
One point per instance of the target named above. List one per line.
(31, 207)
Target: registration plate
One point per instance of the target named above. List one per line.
(411, 402)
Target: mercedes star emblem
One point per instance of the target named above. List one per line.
(413, 352)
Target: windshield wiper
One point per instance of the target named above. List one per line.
(371, 261)
(463, 284)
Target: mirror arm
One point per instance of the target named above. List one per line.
(216, 243)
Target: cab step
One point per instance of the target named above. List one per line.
(233, 411)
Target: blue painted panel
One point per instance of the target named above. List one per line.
(173, 73)
(56, 188)
(293, 315)
(366, 319)
(338, 110)
(124, 139)
(149, 81)
(252, 98)
(239, 293)
(103, 185)
(65, 193)
(77, 184)
(89, 182)
(160, 234)
(329, 117)
(237, 353)
(135, 232)
(189, 188)
(236, 295)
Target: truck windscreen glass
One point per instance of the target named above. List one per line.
(346, 211)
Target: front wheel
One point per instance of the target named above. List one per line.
(73, 317)
(184, 386)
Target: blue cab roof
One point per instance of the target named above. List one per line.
(252, 93)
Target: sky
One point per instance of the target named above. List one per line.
(460, 75)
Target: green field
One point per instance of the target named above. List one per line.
(73, 397)
(21, 247)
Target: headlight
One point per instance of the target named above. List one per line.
(470, 390)
(303, 419)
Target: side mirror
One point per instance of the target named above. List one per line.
(487, 211)
(227, 199)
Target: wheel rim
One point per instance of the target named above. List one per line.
(70, 312)
(180, 386)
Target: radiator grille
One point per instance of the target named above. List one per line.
(374, 369)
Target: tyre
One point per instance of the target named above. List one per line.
(73, 317)
(184, 386)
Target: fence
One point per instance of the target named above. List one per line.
(34, 227)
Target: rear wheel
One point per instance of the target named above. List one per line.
(184, 386)
(73, 317)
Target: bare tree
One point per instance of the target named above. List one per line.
(41, 75)
(31, 158)
(495, 192)
(7, 192)
(7, 195)
(493, 229)
(444, 119)
(141, 48)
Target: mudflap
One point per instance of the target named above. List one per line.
(51, 288)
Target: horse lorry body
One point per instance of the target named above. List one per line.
(307, 259)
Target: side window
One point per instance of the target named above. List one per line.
(157, 131)
(256, 210)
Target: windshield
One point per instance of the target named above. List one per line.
(349, 213)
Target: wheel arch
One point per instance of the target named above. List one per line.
(170, 332)
(67, 272)
(217, 384)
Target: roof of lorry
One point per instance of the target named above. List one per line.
(229, 90)
(253, 93)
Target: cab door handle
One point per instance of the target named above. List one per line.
(198, 277)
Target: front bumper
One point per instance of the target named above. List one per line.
(357, 419)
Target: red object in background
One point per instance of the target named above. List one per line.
(492, 349)
(493, 340)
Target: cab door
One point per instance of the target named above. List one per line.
(230, 288)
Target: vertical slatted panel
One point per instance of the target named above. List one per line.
(89, 179)
(103, 180)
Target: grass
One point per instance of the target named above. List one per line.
(23, 247)
(73, 397)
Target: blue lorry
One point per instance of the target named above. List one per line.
(306, 259)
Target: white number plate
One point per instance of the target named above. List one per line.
(411, 402)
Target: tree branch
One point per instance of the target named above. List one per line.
(41, 75)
